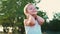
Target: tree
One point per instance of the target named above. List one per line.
(54, 24)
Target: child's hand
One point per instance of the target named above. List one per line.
(30, 21)
(35, 16)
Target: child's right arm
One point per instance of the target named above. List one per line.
(30, 21)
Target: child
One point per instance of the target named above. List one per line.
(33, 22)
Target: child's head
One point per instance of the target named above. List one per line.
(30, 9)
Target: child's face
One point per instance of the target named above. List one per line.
(31, 10)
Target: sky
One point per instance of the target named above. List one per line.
(50, 7)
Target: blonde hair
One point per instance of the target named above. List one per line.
(25, 8)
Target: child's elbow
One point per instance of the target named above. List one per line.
(43, 20)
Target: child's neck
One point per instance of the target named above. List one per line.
(35, 16)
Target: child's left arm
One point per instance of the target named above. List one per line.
(40, 20)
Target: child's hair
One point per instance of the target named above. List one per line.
(25, 8)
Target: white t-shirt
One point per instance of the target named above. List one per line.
(36, 29)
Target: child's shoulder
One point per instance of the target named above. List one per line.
(25, 20)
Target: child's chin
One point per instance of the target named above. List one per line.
(33, 14)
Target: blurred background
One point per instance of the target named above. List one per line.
(12, 16)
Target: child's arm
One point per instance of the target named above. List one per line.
(40, 20)
(30, 21)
